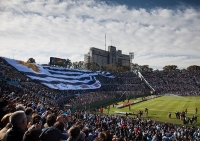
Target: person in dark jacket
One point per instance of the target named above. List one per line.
(19, 123)
(3, 104)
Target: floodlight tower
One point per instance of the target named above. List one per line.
(131, 55)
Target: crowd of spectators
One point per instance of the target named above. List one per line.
(110, 88)
(127, 83)
(33, 123)
(180, 82)
(29, 112)
(124, 81)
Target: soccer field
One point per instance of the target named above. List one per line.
(161, 106)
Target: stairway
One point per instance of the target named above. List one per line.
(145, 82)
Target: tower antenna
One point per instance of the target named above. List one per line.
(105, 42)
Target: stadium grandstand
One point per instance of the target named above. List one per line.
(47, 100)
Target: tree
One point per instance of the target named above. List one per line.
(136, 67)
(81, 65)
(87, 66)
(145, 68)
(94, 66)
(116, 67)
(170, 68)
(68, 63)
(74, 65)
(78, 65)
(31, 60)
(193, 67)
(125, 68)
(103, 68)
(109, 67)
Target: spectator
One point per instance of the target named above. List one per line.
(35, 122)
(104, 136)
(86, 131)
(3, 104)
(5, 120)
(51, 119)
(32, 135)
(73, 133)
(29, 112)
(19, 123)
(44, 100)
(52, 134)
(4, 130)
(60, 126)
(20, 107)
(82, 136)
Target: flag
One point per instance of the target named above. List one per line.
(58, 77)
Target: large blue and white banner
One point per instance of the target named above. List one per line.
(61, 78)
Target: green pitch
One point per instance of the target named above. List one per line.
(161, 106)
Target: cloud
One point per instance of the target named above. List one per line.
(68, 28)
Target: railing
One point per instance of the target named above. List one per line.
(145, 82)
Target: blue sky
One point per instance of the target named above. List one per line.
(159, 32)
(149, 4)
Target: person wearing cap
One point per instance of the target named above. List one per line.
(52, 134)
(19, 123)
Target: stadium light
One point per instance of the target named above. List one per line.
(131, 55)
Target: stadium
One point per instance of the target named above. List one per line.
(142, 105)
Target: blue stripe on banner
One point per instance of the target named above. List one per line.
(67, 70)
(64, 77)
(66, 83)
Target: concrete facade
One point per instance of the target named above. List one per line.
(102, 57)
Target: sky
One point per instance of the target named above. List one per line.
(159, 32)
